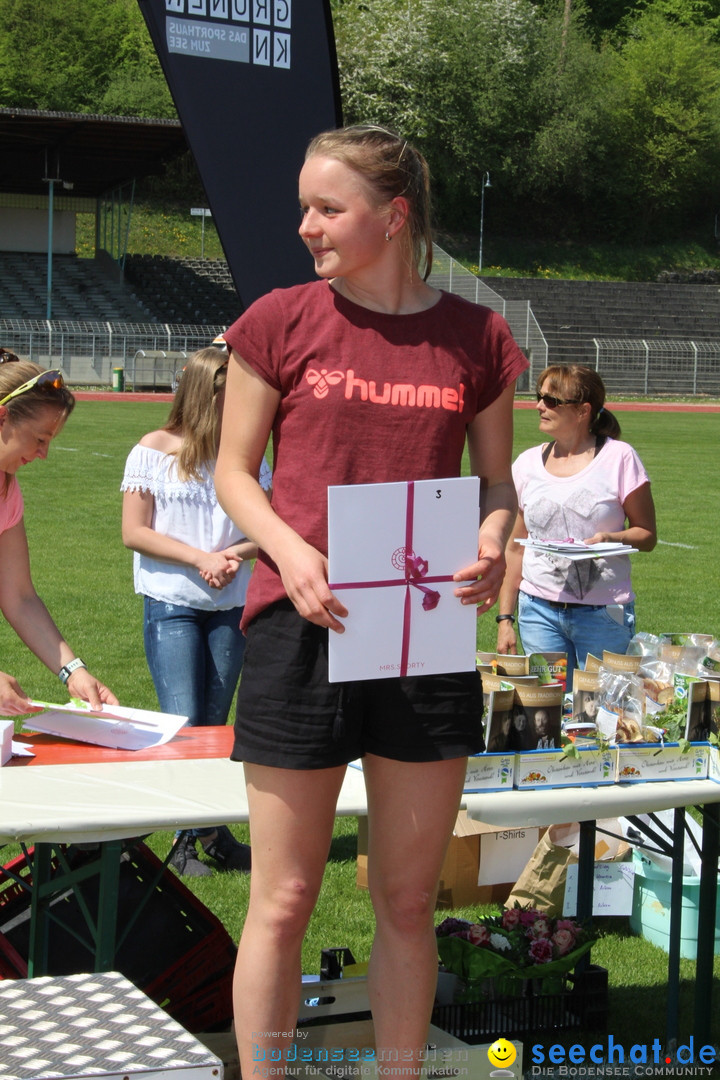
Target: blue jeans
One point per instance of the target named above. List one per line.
(575, 630)
(195, 658)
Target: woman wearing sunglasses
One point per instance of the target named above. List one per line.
(584, 484)
(34, 405)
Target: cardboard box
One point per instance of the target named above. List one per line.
(553, 768)
(481, 865)
(714, 764)
(638, 762)
(490, 772)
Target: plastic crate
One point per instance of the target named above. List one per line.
(650, 916)
(177, 952)
(575, 1001)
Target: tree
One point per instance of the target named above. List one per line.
(664, 110)
(80, 56)
(451, 76)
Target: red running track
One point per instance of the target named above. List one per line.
(621, 406)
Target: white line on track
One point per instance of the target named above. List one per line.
(669, 543)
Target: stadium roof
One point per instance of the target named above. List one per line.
(92, 153)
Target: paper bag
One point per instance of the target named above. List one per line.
(542, 882)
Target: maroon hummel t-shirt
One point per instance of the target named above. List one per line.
(366, 397)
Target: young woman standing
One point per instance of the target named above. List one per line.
(191, 567)
(368, 375)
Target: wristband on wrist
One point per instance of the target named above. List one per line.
(501, 618)
(67, 669)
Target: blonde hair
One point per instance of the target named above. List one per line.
(391, 167)
(27, 405)
(194, 414)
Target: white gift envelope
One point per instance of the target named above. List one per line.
(392, 552)
(112, 725)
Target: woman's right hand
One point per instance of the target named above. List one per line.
(13, 699)
(304, 573)
(218, 568)
(506, 638)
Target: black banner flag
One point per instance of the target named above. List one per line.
(252, 81)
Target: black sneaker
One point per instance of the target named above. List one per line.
(185, 860)
(227, 852)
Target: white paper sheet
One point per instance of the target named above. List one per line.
(21, 749)
(575, 550)
(114, 726)
(368, 530)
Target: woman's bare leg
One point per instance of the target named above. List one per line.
(291, 821)
(411, 812)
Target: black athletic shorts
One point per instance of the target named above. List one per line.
(290, 716)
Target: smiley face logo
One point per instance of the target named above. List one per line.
(501, 1054)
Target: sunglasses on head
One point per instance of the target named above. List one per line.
(46, 380)
(7, 357)
(551, 402)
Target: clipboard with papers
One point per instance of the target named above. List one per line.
(576, 550)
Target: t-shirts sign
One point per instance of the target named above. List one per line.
(253, 81)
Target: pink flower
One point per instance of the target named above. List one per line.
(478, 935)
(567, 924)
(511, 918)
(563, 940)
(527, 918)
(541, 951)
(541, 928)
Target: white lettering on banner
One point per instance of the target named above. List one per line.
(281, 52)
(271, 47)
(261, 47)
(207, 39)
(261, 12)
(283, 11)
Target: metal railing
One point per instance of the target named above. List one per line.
(453, 277)
(659, 366)
(87, 352)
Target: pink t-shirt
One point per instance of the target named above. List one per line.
(366, 397)
(558, 507)
(11, 505)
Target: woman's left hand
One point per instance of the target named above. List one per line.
(82, 684)
(484, 577)
(13, 699)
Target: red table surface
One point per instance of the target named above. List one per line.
(190, 742)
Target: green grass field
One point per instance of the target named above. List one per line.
(84, 574)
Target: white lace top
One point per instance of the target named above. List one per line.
(185, 510)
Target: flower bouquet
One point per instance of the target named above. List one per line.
(498, 954)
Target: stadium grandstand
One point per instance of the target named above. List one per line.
(89, 315)
(145, 313)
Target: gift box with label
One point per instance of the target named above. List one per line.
(555, 768)
(392, 553)
(639, 762)
(490, 772)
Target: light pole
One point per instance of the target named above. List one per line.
(485, 184)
